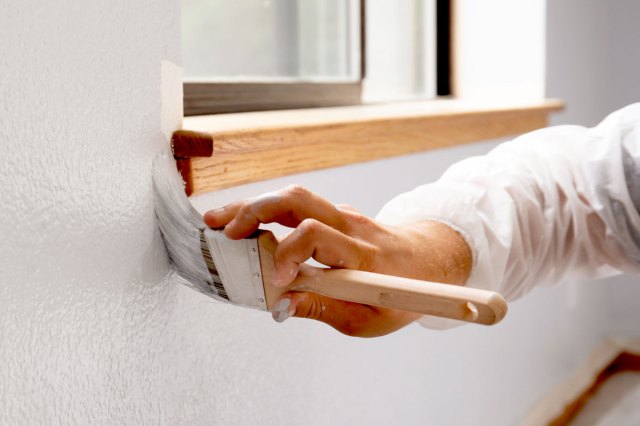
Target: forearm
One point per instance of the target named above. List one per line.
(554, 202)
(436, 251)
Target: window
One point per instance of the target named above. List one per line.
(251, 55)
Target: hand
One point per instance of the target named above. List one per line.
(340, 237)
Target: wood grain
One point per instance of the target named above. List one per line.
(258, 146)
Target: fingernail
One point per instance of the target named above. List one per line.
(283, 310)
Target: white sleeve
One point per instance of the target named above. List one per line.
(558, 201)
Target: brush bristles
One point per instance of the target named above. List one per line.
(180, 225)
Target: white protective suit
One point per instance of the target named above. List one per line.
(555, 202)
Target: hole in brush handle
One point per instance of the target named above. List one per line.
(472, 312)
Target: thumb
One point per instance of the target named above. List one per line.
(352, 319)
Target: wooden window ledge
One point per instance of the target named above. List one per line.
(256, 146)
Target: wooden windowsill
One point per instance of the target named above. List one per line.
(250, 147)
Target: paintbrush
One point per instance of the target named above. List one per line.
(241, 271)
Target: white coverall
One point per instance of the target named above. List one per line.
(555, 202)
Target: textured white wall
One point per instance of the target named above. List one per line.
(91, 330)
(84, 310)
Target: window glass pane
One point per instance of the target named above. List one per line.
(401, 43)
(257, 40)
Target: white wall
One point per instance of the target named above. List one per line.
(88, 325)
(623, 48)
(578, 56)
(91, 330)
(592, 57)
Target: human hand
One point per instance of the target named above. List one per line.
(340, 237)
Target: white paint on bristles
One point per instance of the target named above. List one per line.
(235, 264)
(179, 223)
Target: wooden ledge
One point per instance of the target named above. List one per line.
(251, 147)
(559, 407)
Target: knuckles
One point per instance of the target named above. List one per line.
(358, 223)
(312, 308)
(348, 324)
(296, 191)
(308, 228)
(245, 213)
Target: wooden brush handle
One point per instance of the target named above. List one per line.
(442, 300)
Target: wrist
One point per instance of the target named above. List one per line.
(438, 252)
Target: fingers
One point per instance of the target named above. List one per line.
(287, 207)
(352, 319)
(218, 218)
(323, 243)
